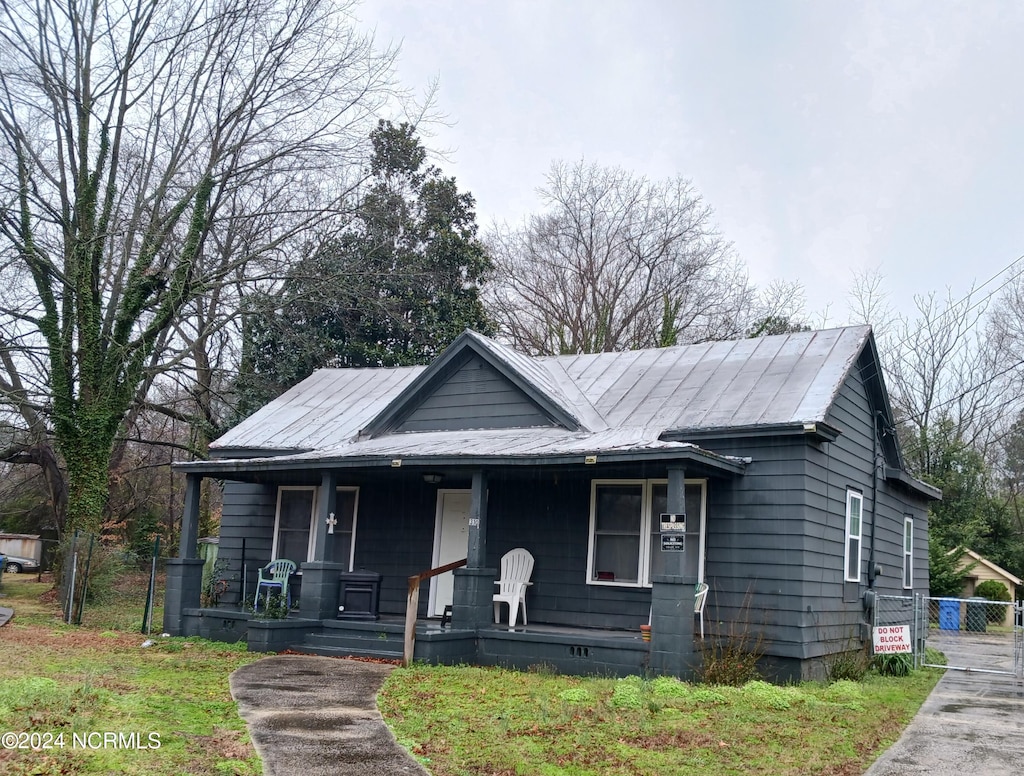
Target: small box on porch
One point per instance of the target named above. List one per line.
(359, 595)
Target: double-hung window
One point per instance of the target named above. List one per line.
(625, 523)
(295, 526)
(854, 528)
(908, 552)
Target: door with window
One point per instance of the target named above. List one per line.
(451, 543)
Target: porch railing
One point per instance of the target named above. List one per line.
(413, 604)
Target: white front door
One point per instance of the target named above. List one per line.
(451, 543)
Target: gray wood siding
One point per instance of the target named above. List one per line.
(474, 396)
(395, 536)
(248, 514)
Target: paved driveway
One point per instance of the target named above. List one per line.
(972, 724)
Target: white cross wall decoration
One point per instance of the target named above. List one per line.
(331, 522)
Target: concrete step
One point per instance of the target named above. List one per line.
(334, 651)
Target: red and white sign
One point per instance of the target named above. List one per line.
(891, 639)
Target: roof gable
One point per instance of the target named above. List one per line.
(477, 383)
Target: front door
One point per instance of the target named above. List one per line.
(451, 543)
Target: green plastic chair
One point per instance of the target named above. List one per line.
(274, 576)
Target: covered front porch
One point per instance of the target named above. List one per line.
(580, 620)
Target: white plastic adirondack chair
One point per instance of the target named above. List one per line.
(516, 568)
(700, 598)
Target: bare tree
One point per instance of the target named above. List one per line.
(941, 370)
(158, 155)
(615, 262)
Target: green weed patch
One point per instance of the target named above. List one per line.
(469, 721)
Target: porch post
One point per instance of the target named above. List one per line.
(672, 592)
(474, 585)
(318, 599)
(185, 573)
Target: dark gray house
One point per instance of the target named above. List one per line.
(778, 454)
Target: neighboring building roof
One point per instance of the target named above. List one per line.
(987, 563)
(780, 380)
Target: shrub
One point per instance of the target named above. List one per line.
(994, 590)
(105, 565)
(899, 664)
(732, 658)
(850, 665)
(729, 662)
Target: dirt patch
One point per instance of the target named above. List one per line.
(39, 636)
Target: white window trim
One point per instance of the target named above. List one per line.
(851, 496)
(355, 522)
(314, 524)
(908, 554)
(277, 520)
(643, 568)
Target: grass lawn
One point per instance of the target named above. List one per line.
(61, 681)
(491, 721)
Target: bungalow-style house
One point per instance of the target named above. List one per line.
(767, 468)
(976, 569)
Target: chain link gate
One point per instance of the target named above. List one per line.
(974, 634)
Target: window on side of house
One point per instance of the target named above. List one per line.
(625, 546)
(295, 526)
(908, 552)
(854, 527)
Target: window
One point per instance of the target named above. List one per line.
(625, 547)
(908, 552)
(854, 512)
(295, 526)
(295, 513)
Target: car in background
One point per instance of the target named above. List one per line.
(16, 565)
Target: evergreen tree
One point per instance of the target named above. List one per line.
(393, 289)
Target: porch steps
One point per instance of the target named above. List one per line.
(333, 645)
(386, 640)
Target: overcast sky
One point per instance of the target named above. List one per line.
(827, 136)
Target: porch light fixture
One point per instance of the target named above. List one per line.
(432, 478)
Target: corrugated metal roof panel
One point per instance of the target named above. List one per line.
(620, 398)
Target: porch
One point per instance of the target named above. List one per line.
(585, 622)
(570, 650)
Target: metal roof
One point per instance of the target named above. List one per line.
(627, 400)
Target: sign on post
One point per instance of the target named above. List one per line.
(892, 639)
(673, 543)
(673, 523)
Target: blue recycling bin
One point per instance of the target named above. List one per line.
(949, 615)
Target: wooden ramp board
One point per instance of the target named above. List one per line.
(5, 615)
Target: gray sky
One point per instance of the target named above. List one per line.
(828, 136)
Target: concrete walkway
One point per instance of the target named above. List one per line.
(971, 724)
(309, 716)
